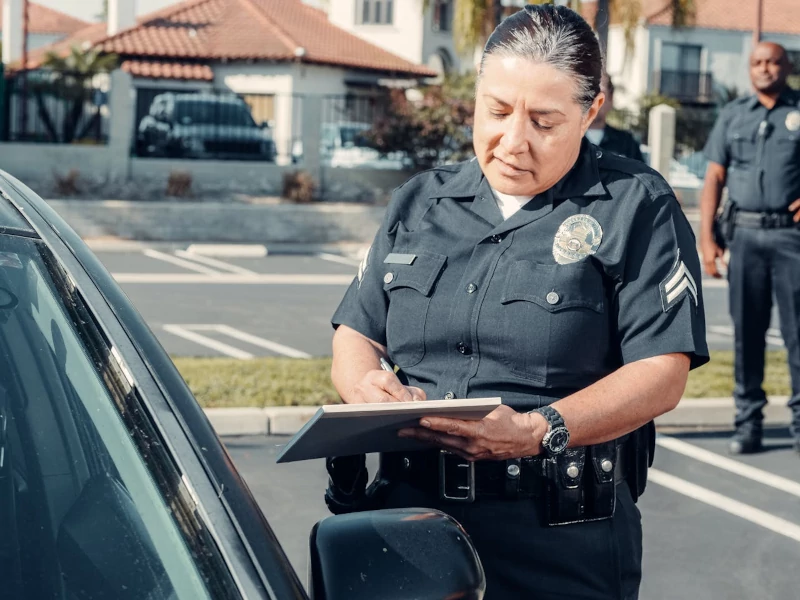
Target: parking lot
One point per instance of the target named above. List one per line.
(714, 527)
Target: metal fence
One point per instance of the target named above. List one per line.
(181, 123)
(55, 107)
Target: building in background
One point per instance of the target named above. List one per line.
(46, 26)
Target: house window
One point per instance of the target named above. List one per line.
(681, 58)
(376, 12)
(443, 15)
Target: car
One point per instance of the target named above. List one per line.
(344, 145)
(114, 485)
(203, 125)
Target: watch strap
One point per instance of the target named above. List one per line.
(553, 417)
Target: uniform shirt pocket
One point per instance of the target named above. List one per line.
(554, 323)
(409, 288)
(743, 147)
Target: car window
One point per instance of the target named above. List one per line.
(209, 112)
(83, 512)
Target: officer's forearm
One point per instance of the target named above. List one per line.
(625, 400)
(353, 356)
(710, 197)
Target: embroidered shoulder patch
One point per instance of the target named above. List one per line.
(678, 283)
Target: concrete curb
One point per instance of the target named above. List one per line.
(690, 413)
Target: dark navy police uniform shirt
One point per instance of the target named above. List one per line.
(761, 150)
(470, 305)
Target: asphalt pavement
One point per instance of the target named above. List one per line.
(278, 304)
(714, 527)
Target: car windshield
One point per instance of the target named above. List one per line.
(81, 513)
(212, 112)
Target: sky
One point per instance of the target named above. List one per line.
(89, 9)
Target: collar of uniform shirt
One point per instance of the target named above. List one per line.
(788, 96)
(582, 180)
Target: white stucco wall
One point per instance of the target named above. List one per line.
(404, 37)
(629, 72)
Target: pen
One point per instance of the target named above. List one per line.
(386, 366)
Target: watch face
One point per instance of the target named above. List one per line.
(559, 440)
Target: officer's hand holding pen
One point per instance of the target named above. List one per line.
(383, 385)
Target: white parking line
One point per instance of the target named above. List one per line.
(339, 259)
(727, 330)
(729, 505)
(261, 342)
(178, 261)
(207, 342)
(730, 465)
(232, 278)
(213, 262)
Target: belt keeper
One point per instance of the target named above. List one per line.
(513, 474)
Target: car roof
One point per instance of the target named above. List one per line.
(11, 219)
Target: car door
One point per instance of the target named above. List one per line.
(112, 482)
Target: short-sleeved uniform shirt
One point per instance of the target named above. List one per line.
(471, 305)
(760, 148)
(620, 142)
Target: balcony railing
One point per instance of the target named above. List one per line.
(684, 86)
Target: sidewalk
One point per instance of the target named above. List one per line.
(691, 413)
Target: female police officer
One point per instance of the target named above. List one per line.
(558, 277)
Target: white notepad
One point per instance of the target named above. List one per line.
(345, 429)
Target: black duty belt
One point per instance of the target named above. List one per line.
(764, 220)
(455, 479)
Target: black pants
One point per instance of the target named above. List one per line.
(526, 560)
(763, 263)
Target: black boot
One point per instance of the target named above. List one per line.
(746, 439)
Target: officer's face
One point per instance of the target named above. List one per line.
(769, 68)
(528, 127)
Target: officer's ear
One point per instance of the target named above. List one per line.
(590, 114)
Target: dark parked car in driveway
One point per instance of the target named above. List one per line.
(113, 484)
(203, 126)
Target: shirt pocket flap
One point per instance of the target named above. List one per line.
(555, 287)
(421, 275)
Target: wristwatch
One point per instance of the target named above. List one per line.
(556, 440)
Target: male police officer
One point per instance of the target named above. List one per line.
(607, 137)
(754, 148)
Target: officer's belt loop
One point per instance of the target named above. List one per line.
(513, 476)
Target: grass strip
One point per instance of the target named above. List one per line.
(274, 381)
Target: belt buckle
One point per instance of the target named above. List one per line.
(466, 473)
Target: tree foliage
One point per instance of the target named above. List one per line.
(433, 129)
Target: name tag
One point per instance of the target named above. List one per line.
(400, 259)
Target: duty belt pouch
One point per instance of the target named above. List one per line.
(639, 453)
(725, 224)
(564, 495)
(601, 488)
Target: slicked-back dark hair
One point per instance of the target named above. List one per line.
(555, 36)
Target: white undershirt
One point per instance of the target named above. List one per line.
(509, 204)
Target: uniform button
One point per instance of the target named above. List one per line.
(471, 288)
(496, 239)
(573, 471)
(463, 348)
(552, 298)
(607, 466)
(449, 396)
(513, 471)
(388, 278)
(599, 154)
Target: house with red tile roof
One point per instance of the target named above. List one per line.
(46, 26)
(281, 49)
(701, 64)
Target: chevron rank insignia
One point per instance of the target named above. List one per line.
(678, 283)
(362, 268)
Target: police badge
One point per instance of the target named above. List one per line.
(793, 120)
(577, 237)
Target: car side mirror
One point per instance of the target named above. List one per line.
(393, 555)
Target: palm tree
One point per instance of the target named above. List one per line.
(69, 76)
(476, 19)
